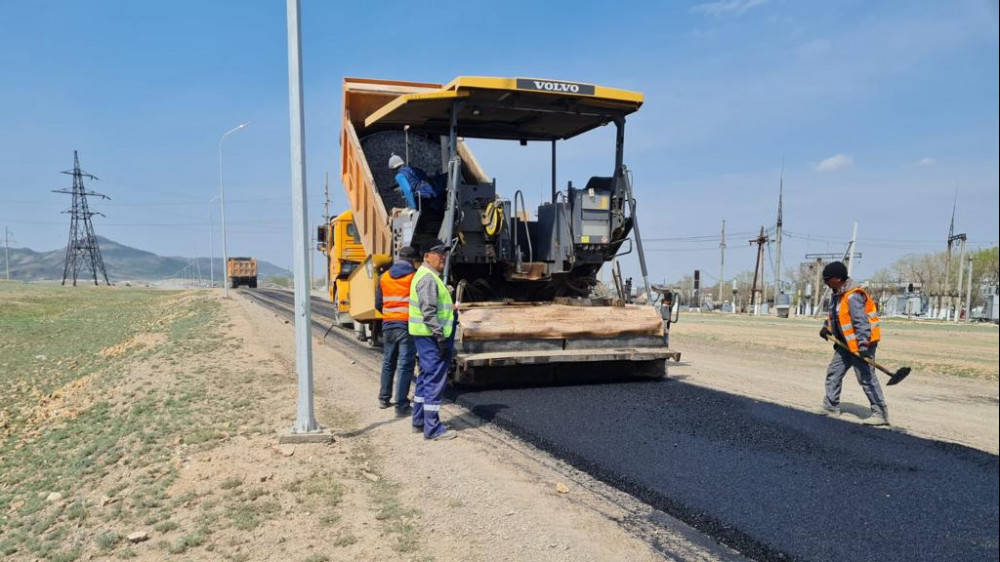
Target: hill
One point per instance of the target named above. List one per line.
(122, 263)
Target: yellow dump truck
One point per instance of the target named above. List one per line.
(242, 272)
(340, 243)
(523, 281)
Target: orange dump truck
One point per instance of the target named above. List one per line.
(242, 272)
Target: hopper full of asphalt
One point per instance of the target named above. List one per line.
(772, 482)
(424, 153)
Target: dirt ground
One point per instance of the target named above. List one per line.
(951, 394)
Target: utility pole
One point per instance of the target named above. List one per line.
(722, 264)
(817, 282)
(211, 249)
(777, 259)
(968, 294)
(760, 240)
(961, 269)
(326, 227)
(82, 240)
(947, 264)
(850, 249)
(6, 250)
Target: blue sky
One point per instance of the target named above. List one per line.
(882, 113)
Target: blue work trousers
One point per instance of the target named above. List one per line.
(430, 385)
(397, 359)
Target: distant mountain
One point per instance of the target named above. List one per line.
(122, 263)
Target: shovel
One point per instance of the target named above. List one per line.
(894, 378)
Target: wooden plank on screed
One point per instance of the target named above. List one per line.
(559, 321)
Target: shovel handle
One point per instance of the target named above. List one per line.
(868, 360)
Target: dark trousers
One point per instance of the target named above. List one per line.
(841, 362)
(397, 359)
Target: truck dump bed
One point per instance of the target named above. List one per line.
(242, 271)
(364, 159)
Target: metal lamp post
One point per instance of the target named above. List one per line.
(222, 202)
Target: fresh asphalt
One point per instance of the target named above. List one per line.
(774, 483)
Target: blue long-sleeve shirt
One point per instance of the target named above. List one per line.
(416, 184)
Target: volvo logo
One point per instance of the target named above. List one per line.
(554, 86)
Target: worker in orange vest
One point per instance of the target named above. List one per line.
(392, 299)
(853, 319)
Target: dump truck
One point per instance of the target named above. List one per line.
(242, 272)
(523, 284)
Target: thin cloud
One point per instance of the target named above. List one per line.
(836, 162)
(727, 7)
(925, 161)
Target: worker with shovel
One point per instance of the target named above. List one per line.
(853, 323)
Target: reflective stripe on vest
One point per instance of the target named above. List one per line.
(395, 297)
(445, 307)
(844, 319)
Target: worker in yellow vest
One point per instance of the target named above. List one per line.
(392, 299)
(853, 319)
(432, 325)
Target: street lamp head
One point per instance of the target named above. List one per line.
(244, 125)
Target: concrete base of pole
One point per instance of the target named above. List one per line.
(319, 436)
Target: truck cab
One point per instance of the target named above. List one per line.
(340, 241)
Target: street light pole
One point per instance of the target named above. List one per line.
(305, 429)
(222, 201)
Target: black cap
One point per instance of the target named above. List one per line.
(408, 253)
(835, 270)
(437, 247)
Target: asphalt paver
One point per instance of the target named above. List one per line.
(772, 482)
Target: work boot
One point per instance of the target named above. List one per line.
(444, 435)
(876, 419)
(832, 411)
(383, 404)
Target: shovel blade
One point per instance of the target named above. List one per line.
(898, 376)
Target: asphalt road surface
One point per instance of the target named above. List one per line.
(774, 483)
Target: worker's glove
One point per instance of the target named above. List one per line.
(823, 332)
(443, 347)
(865, 352)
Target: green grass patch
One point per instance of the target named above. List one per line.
(50, 336)
(346, 539)
(108, 540)
(165, 526)
(231, 482)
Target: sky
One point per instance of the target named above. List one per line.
(884, 114)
